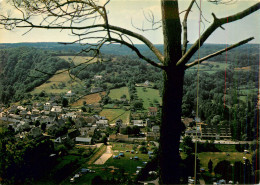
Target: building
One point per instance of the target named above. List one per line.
(152, 111)
(84, 140)
(216, 132)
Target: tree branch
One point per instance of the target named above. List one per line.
(218, 52)
(184, 26)
(105, 26)
(137, 52)
(216, 24)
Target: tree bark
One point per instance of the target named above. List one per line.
(170, 130)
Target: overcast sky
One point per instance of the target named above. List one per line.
(122, 11)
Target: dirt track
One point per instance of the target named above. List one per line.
(105, 156)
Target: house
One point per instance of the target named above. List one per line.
(84, 131)
(69, 94)
(21, 108)
(47, 106)
(72, 134)
(139, 123)
(188, 122)
(91, 131)
(35, 111)
(22, 126)
(151, 136)
(96, 89)
(91, 119)
(80, 122)
(84, 140)
(152, 111)
(156, 129)
(98, 77)
(35, 132)
(56, 110)
(146, 83)
(102, 123)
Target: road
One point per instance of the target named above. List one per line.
(105, 156)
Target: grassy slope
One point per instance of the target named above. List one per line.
(117, 93)
(90, 99)
(64, 77)
(57, 79)
(113, 114)
(148, 96)
(78, 59)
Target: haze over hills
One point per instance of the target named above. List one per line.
(116, 49)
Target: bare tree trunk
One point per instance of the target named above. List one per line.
(169, 158)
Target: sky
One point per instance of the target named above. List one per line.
(126, 13)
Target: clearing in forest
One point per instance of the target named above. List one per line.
(79, 59)
(58, 83)
(89, 99)
(118, 93)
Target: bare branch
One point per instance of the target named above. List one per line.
(216, 24)
(138, 53)
(184, 25)
(218, 52)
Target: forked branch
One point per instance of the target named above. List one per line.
(216, 24)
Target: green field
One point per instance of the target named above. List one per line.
(117, 93)
(210, 67)
(220, 156)
(129, 165)
(59, 83)
(79, 59)
(113, 114)
(148, 96)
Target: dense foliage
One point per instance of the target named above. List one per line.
(18, 73)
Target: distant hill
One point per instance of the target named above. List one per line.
(116, 49)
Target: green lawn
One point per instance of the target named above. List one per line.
(113, 114)
(148, 96)
(117, 93)
(220, 156)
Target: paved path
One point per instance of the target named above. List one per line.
(105, 156)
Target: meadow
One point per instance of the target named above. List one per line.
(114, 114)
(118, 93)
(149, 96)
(59, 83)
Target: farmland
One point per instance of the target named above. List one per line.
(59, 83)
(89, 99)
(148, 96)
(113, 114)
(118, 93)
